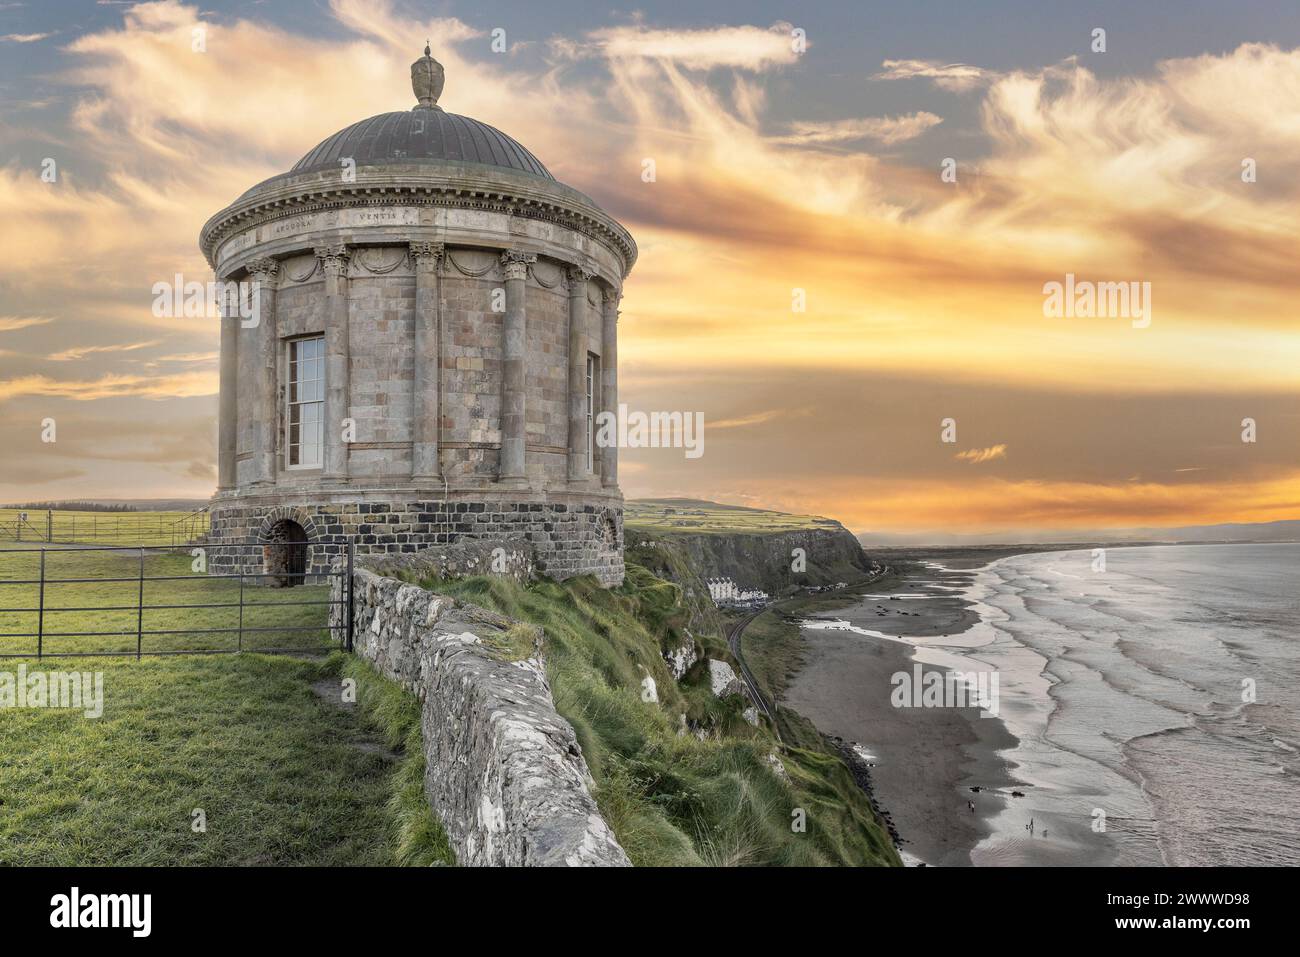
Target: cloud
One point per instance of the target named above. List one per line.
(887, 129)
(958, 77)
(12, 323)
(975, 456)
(23, 37)
(111, 386)
(743, 47)
(755, 418)
(904, 274)
(80, 352)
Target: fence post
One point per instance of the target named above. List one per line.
(49, 524)
(139, 616)
(241, 608)
(350, 607)
(40, 615)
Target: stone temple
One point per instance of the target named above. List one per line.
(436, 332)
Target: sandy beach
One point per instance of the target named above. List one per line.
(927, 762)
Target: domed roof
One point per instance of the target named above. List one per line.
(425, 134)
(421, 135)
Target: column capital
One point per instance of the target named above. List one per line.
(515, 263)
(577, 276)
(334, 258)
(611, 295)
(426, 253)
(264, 269)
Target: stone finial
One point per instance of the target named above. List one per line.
(427, 79)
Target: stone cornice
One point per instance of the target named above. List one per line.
(517, 196)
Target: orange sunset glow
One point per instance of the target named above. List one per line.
(808, 278)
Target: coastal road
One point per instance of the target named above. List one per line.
(736, 630)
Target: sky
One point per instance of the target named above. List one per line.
(855, 212)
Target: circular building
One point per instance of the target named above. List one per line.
(435, 333)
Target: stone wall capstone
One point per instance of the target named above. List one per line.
(504, 771)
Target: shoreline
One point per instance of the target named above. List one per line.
(924, 764)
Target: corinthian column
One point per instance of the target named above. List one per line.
(514, 264)
(228, 407)
(338, 399)
(263, 273)
(609, 381)
(426, 412)
(578, 373)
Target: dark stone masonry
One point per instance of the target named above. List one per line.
(567, 539)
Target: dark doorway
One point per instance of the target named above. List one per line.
(284, 556)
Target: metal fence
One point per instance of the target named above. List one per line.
(39, 587)
(120, 528)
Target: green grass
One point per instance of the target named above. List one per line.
(102, 528)
(418, 836)
(282, 776)
(701, 793)
(666, 517)
(268, 607)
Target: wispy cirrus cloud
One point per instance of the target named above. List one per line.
(884, 129)
(80, 352)
(754, 418)
(987, 454)
(958, 77)
(183, 385)
(24, 37)
(737, 47)
(13, 323)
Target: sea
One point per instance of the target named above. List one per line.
(1155, 693)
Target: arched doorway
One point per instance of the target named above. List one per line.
(284, 554)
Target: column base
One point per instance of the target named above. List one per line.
(513, 481)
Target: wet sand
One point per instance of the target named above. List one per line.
(920, 757)
(926, 761)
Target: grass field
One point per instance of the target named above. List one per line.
(115, 585)
(102, 528)
(670, 516)
(280, 775)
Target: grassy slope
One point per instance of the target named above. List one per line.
(671, 797)
(277, 771)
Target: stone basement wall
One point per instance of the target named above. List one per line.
(569, 540)
(504, 771)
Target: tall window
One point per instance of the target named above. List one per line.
(591, 410)
(306, 437)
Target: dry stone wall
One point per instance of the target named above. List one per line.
(504, 770)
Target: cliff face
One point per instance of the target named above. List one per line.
(766, 560)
